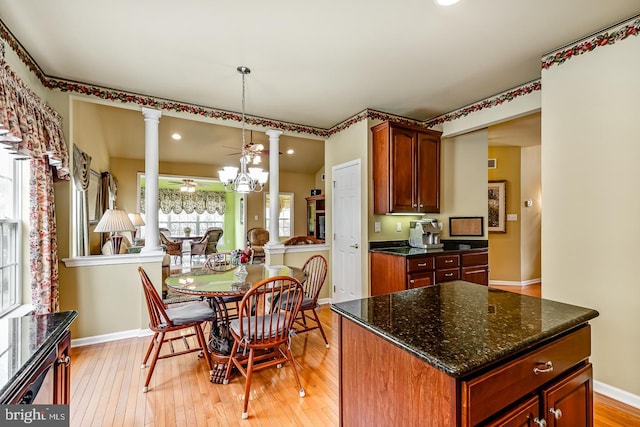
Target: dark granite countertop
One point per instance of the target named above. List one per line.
(29, 340)
(402, 248)
(460, 327)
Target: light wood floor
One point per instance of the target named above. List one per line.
(106, 389)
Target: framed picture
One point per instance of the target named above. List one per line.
(466, 226)
(497, 207)
(92, 197)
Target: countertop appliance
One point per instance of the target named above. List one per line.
(425, 234)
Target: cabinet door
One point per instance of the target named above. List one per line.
(477, 274)
(418, 280)
(402, 170)
(523, 415)
(569, 401)
(428, 173)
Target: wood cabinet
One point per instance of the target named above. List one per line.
(316, 217)
(375, 374)
(564, 403)
(392, 273)
(406, 169)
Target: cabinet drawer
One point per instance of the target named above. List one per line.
(447, 261)
(419, 280)
(475, 259)
(447, 275)
(419, 264)
(489, 393)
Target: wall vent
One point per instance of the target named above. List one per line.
(493, 163)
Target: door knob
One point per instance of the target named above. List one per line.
(557, 413)
(356, 246)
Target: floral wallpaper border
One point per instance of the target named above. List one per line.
(605, 37)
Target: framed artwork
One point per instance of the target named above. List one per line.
(466, 226)
(497, 214)
(92, 197)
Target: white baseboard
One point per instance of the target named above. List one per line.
(513, 283)
(617, 394)
(97, 339)
(322, 301)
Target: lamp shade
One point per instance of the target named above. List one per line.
(136, 219)
(114, 220)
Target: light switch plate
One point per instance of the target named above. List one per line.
(512, 217)
(398, 226)
(376, 227)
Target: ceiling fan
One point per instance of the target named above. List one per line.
(254, 150)
(188, 185)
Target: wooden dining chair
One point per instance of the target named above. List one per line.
(263, 330)
(315, 269)
(164, 320)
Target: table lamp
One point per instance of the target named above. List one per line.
(137, 221)
(114, 221)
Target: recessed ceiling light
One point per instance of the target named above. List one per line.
(290, 151)
(176, 136)
(445, 2)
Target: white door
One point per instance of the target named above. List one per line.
(347, 240)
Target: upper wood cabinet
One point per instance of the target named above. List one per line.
(406, 169)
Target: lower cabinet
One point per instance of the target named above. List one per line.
(567, 402)
(551, 386)
(392, 273)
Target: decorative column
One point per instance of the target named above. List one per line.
(274, 186)
(151, 165)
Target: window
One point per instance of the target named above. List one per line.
(198, 223)
(285, 218)
(10, 252)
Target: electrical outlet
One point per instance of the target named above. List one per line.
(255, 218)
(376, 227)
(512, 217)
(398, 226)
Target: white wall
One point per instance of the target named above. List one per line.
(591, 198)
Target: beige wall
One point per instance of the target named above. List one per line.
(504, 248)
(531, 217)
(349, 145)
(590, 179)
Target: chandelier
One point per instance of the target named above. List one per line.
(248, 179)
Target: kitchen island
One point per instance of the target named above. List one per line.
(462, 354)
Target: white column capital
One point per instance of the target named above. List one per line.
(150, 113)
(273, 133)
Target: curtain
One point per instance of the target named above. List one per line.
(81, 178)
(177, 201)
(35, 132)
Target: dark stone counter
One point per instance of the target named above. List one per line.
(460, 327)
(29, 340)
(402, 248)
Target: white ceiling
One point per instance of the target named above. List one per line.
(313, 63)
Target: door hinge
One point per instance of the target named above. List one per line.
(334, 288)
(334, 184)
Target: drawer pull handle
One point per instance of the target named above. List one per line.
(422, 264)
(541, 423)
(557, 413)
(548, 368)
(448, 275)
(449, 261)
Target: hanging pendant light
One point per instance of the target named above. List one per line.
(243, 181)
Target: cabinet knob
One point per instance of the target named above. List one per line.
(422, 206)
(415, 206)
(540, 422)
(557, 413)
(412, 281)
(548, 367)
(64, 360)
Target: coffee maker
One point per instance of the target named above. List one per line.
(425, 234)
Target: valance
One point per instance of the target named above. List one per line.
(177, 201)
(35, 129)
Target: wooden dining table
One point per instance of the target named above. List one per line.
(221, 287)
